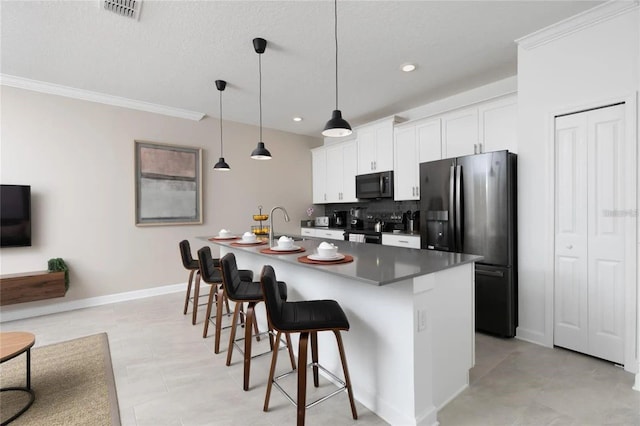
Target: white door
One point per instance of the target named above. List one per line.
(590, 235)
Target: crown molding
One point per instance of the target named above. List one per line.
(86, 95)
(583, 20)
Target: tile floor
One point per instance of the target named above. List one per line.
(167, 374)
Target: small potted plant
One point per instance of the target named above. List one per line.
(310, 213)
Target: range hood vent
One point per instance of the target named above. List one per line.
(128, 8)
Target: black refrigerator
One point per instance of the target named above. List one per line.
(468, 205)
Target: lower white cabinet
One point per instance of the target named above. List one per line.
(408, 241)
(330, 234)
(308, 232)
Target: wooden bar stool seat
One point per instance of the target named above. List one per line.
(212, 275)
(191, 265)
(306, 318)
(251, 293)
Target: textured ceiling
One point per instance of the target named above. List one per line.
(174, 52)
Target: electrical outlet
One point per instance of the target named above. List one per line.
(422, 319)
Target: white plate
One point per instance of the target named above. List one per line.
(294, 248)
(228, 237)
(256, 241)
(316, 256)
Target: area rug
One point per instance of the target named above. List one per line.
(73, 383)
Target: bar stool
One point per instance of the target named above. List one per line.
(306, 318)
(250, 292)
(193, 267)
(211, 274)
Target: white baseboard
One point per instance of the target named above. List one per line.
(531, 336)
(19, 313)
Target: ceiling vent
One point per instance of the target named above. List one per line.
(128, 8)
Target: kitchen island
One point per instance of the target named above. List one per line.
(411, 341)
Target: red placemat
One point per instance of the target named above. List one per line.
(257, 243)
(224, 238)
(305, 259)
(269, 251)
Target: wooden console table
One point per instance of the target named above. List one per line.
(30, 286)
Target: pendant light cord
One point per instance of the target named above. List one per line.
(335, 32)
(260, 91)
(221, 153)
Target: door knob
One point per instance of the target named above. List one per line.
(569, 246)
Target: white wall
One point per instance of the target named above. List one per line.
(560, 72)
(78, 158)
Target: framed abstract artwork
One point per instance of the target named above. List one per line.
(168, 184)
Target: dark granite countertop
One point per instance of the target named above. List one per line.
(375, 264)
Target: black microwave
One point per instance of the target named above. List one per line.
(375, 185)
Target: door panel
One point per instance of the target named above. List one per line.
(485, 227)
(495, 300)
(571, 298)
(435, 202)
(606, 237)
(590, 233)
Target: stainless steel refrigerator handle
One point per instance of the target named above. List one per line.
(458, 215)
(499, 274)
(452, 212)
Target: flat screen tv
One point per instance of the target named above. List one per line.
(15, 215)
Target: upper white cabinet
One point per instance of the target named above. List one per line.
(498, 121)
(489, 126)
(334, 173)
(375, 147)
(460, 133)
(414, 143)
(341, 172)
(319, 174)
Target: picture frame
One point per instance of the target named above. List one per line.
(168, 184)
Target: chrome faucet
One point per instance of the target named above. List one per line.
(271, 233)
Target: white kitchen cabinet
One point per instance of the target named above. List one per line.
(414, 144)
(498, 121)
(375, 146)
(331, 234)
(334, 173)
(341, 172)
(307, 232)
(319, 175)
(460, 133)
(489, 126)
(408, 241)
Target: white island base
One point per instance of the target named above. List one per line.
(411, 342)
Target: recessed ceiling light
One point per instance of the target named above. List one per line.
(297, 118)
(408, 67)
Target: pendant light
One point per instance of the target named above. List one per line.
(337, 126)
(221, 165)
(260, 153)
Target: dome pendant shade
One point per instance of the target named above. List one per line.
(337, 126)
(261, 153)
(221, 165)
